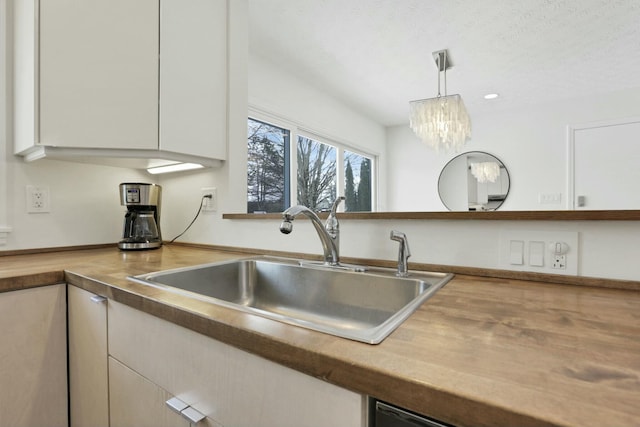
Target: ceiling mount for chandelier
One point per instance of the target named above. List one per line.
(441, 122)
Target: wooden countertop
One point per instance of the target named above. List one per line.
(481, 352)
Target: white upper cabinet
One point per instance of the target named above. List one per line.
(193, 77)
(114, 78)
(98, 74)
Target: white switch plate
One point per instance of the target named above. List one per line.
(534, 243)
(516, 252)
(536, 253)
(549, 198)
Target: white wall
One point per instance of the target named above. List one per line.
(85, 203)
(607, 249)
(274, 90)
(531, 142)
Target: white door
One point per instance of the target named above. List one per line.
(606, 162)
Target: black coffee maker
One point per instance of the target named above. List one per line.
(142, 220)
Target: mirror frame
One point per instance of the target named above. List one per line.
(466, 154)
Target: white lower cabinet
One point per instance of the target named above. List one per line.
(229, 386)
(33, 357)
(88, 372)
(137, 402)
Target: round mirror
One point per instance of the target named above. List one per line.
(473, 181)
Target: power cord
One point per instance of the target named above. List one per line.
(206, 196)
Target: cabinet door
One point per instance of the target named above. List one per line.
(88, 375)
(227, 385)
(136, 401)
(98, 73)
(193, 77)
(33, 356)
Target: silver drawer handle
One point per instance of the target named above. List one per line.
(98, 299)
(176, 404)
(192, 415)
(185, 410)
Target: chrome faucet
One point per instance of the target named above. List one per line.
(403, 253)
(329, 233)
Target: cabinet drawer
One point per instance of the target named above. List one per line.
(136, 401)
(228, 385)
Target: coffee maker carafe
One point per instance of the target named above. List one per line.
(142, 220)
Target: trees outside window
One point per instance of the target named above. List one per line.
(267, 183)
(358, 182)
(316, 174)
(314, 170)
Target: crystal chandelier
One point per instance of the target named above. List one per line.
(485, 171)
(441, 122)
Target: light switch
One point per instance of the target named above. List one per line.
(536, 253)
(516, 252)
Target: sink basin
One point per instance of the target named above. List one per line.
(346, 302)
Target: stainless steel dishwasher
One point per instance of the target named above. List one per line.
(385, 415)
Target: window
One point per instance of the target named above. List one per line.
(267, 168)
(357, 182)
(315, 169)
(316, 174)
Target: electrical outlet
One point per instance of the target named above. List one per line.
(38, 200)
(559, 262)
(209, 204)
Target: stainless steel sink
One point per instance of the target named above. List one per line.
(360, 305)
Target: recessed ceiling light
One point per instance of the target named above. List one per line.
(491, 96)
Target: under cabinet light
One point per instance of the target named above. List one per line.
(176, 167)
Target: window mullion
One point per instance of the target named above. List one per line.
(293, 171)
(340, 175)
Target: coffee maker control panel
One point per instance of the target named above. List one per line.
(133, 195)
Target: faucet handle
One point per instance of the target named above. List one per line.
(334, 208)
(331, 225)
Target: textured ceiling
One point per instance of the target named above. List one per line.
(376, 55)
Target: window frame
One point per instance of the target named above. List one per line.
(295, 130)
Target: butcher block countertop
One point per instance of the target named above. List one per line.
(481, 352)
